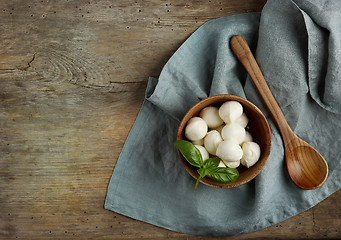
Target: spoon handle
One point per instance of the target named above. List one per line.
(245, 56)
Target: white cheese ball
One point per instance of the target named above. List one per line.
(230, 111)
(242, 120)
(229, 151)
(203, 152)
(233, 131)
(221, 164)
(212, 140)
(248, 137)
(199, 142)
(196, 129)
(211, 116)
(251, 154)
(232, 164)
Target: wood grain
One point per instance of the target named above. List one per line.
(72, 78)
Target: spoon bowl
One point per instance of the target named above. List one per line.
(306, 174)
(306, 167)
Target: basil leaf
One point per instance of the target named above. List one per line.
(225, 175)
(211, 164)
(203, 172)
(189, 152)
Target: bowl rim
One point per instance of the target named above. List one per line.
(220, 98)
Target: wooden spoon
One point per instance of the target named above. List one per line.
(306, 167)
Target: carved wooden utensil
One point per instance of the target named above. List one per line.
(306, 167)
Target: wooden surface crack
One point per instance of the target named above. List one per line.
(12, 63)
(30, 61)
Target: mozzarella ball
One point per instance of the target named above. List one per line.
(233, 131)
(199, 142)
(212, 140)
(196, 129)
(229, 151)
(248, 137)
(211, 116)
(221, 164)
(230, 111)
(232, 164)
(251, 154)
(242, 120)
(203, 152)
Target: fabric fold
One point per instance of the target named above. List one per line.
(322, 21)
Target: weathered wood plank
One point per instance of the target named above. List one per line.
(72, 80)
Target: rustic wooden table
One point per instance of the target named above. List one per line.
(72, 80)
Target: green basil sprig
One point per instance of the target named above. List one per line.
(210, 166)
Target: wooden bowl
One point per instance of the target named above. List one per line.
(258, 127)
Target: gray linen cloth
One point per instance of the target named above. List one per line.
(298, 47)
